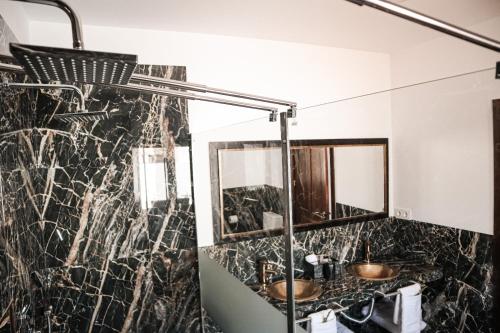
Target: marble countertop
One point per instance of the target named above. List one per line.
(348, 290)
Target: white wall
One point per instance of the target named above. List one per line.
(16, 19)
(442, 132)
(443, 151)
(444, 56)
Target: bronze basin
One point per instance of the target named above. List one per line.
(374, 272)
(305, 290)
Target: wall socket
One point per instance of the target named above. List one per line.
(403, 213)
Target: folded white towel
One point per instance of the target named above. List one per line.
(325, 322)
(408, 305)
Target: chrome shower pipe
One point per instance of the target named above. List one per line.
(431, 22)
(76, 25)
(11, 68)
(191, 96)
(182, 94)
(48, 86)
(139, 78)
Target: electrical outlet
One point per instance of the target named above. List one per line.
(403, 213)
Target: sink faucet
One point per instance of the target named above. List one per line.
(367, 251)
(266, 271)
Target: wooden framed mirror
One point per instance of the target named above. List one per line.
(334, 182)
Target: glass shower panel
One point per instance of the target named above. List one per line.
(239, 197)
(396, 187)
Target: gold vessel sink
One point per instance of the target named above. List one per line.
(374, 272)
(305, 290)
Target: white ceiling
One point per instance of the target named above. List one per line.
(335, 23)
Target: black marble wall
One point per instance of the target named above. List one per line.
(461, 301)
(73, 236)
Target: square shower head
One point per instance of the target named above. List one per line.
(44, 64)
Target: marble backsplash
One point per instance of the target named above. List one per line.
(73, 234)
(461, 301)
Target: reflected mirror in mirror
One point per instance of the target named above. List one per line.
(152, 185)
(249, 188)
(359, 178)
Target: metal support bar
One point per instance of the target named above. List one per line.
(363, 320)
(288, 218)
(47, 86)
(139, 78)
(340, 309)
(191, 96)
(11, 68)
(394, 293)
(431, 22)
(76, 26)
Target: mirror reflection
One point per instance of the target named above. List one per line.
(250, 186)
(332, 180)
(359, 178)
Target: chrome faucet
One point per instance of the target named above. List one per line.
(367, 251)
(266, 272)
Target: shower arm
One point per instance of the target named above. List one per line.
(76, 26)
(47, 86)
(183, 94)
(146, 79)
(193, 87)
(431, 22)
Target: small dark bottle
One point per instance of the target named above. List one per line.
(329, 269)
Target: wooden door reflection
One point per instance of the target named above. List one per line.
(311, 184)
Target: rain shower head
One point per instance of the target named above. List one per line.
(44, 64)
